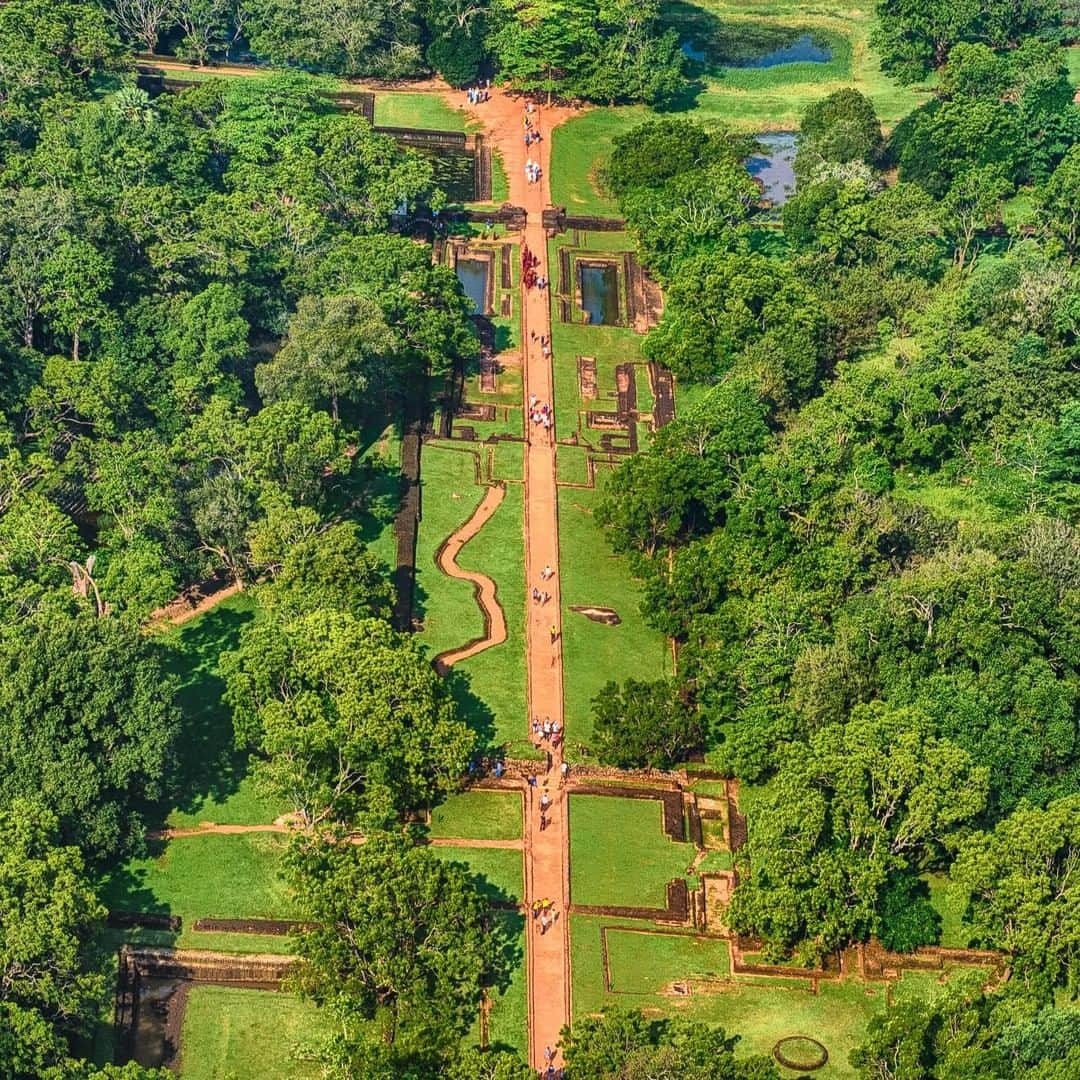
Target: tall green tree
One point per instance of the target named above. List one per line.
(49, 988)
(351, 720)
(50, 51)
(1020, 881)
(623, 1045)
(88, 726)
(398, 936)
(338, 347)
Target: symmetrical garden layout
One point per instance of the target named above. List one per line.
(638, 869)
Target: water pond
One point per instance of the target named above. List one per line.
(455, 172)
(600, 294)
(802, 49)
(473, 275)
(775, 166)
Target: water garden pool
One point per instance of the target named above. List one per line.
(767, 53)
(805, 49)
(455, 171)
(775, 166)
(473, 275)
(600, 294)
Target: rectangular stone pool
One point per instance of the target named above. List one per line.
(600, 294)
(473, 275)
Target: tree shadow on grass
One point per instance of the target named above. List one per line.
(208, 764)
(475, 712)
(508, 932)
(124, 889)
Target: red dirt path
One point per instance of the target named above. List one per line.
(547, 862)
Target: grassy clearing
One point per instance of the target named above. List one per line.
(227, 877)
(235, 1034)
(768, 99)
(449, 497)
(499, 872)
(508, 1020)
(490, 685)
(479, 815)
(381, 444)
(405, 109)
(951, 910)
(594, 654)
(509, 463)
(498, 674)
(619, 854)
(761, 1011)
(644, 963)
(212, 775)
(194, 939)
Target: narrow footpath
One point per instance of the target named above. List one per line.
(546, 851)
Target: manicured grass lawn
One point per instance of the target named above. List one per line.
(497, 675)
(212, 776)
(405, 109)
(235, 1034)
(490, 685)
(757, 100)
(500, 871)
(593, 653)
(381, 444)
(761, 1011)
(619, 855)
(508, 1019)
(195, 939)
(510, 463)
(479, 815)
(449, 496)
(229, 877)
(644, 963)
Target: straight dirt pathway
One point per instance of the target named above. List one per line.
(546, 850)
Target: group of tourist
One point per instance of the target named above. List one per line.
(533, 172)
(540, 413)
(543, 911)
(548, 730)
(477, 95)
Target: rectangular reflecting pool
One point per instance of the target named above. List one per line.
(600, 294)
(473, 275)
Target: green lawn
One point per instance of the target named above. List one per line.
(594, 653)
(771, 99)
(212, 776)
(479, 815)
(761, 1011)
(500, 871)
(646, 963)
(608, 345)
(235, 1034)
(951, 910)
(619, 854)
(405, 109)
(508, 1020)
(229, 877)
(490, 685)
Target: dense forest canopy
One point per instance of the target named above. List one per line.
(863, 532)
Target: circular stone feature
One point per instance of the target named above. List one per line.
(801, 1052)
